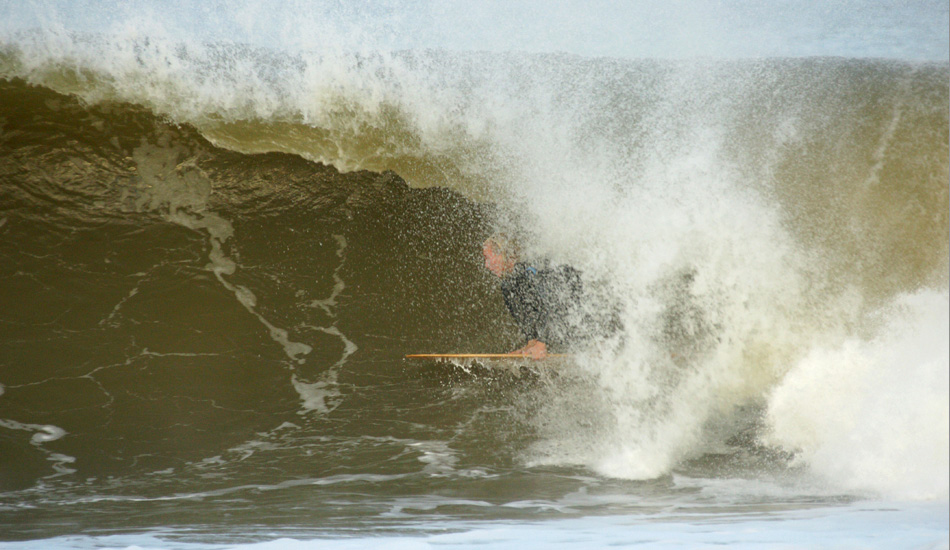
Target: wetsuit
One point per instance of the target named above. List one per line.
(544, 301)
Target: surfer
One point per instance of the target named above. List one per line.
(544, 301)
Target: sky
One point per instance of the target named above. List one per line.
(912, 30)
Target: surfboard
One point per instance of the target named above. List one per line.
(478, 356)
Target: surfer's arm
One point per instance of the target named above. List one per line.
(534, 349)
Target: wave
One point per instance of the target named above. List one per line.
(805, 198)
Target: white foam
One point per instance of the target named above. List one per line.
(322, 396)
(874, 415)
(438, 458)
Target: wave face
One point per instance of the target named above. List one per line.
(214, 257)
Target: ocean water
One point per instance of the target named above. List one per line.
(223, 225)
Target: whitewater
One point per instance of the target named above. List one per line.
(223, 226)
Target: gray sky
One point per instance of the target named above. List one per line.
(641, 28)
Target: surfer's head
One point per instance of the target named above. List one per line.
(501, 254)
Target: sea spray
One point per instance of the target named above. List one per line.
(709, 286)
(872, 415)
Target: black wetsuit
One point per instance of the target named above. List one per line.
(544, 302)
